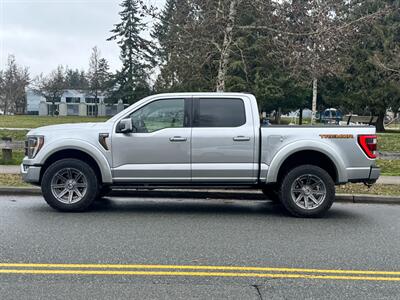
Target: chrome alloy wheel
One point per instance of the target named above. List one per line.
(69, 185)
(308, 191)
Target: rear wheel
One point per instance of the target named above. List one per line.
(70, 185)
(307, 191)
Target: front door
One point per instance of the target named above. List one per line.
(159, 149)
(223, 141)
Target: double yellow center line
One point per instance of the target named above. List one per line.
(195, 271)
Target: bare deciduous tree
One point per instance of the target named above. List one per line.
(51, 87)
(98, 76)
(13, 81)
(314, 37)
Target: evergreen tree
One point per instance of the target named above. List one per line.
(366, 88)
(137, 54)
(185, 59)
(75, 79)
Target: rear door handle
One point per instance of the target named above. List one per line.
(178, 139)
(241, 139)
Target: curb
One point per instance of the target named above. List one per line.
(341, 198)
(24, 191)
(389, 155)
(367, 199)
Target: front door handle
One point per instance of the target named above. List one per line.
(178, 139)
(241, 139)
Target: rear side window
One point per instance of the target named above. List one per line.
(219, 113)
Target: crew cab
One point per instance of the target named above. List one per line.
(187, 140)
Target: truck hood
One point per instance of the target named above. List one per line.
(68, 127)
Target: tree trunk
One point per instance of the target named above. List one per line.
(301, 116)
(226, 47)
(379, 123)
(96, 110)
(278, 114)
(314, 100)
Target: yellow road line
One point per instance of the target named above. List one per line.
(188, 267)
(194, 274)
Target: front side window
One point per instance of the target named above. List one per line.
(219, 113)
(159, 115)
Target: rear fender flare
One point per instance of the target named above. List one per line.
(285, 152)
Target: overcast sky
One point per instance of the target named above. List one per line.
(45, 33)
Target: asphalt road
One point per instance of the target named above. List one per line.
(182, 246)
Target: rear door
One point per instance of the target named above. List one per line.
(223, 141)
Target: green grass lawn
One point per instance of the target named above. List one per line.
(389, 167)
(12, 180)
(376, 189)
(18, 155)
(37, 121)
(16, 135)
(389, 142)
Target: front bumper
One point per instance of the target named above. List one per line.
(30, 174)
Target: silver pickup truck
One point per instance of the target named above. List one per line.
(198, 140)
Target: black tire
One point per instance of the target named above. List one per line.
(91, 192)
(272, 194)
(324, 202)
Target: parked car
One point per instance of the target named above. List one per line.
(331, 116)
(198, 140)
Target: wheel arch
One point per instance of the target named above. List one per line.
(307, 152)
(86, 153)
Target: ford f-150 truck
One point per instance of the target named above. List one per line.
(198, 140)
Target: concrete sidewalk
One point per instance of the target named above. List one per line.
(15, 129)
(392, 180)
(9, 169)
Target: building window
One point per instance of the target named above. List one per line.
(92, 100)
(56, 99)
(72, 110)
(111, 110)
(52, 109)
(73, 100)
(92, 110)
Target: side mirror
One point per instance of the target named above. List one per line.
(125, 126)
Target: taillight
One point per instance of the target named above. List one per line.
(369, 144)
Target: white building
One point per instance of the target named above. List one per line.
(71, 103)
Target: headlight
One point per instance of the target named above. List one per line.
(33, 146)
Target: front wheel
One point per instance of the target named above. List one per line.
(70, 185)
(307, 191)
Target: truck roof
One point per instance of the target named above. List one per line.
(204, 94)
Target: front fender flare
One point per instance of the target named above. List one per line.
(285, 152)
(74, 144)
